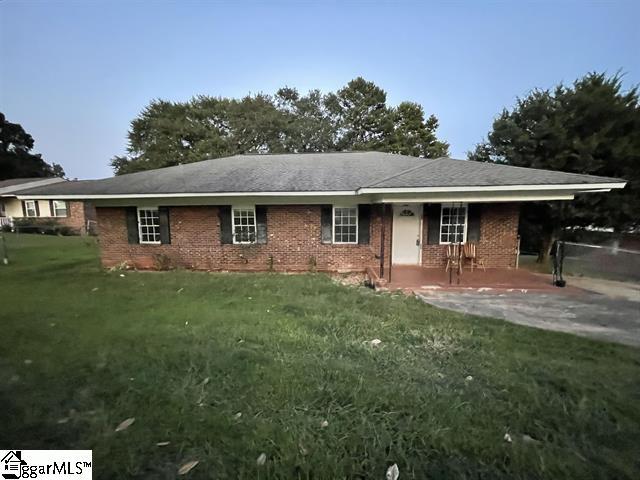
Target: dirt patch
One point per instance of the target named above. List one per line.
(350, 279)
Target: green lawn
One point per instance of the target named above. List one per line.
(185, 353)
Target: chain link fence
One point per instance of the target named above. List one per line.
(600, 261)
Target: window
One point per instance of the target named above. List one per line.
(244, 225)
(345, 225)
(3, 212)
(148, 225)
(30, 208)
(59, 208)
(453, 223)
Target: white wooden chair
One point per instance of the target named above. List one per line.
(471, 256)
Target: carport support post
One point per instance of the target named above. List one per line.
(5, 257)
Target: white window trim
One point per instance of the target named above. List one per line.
(26, 208)
(233, 224)
(466, 220)
(53, 205)
(333, 224)
(147, 242)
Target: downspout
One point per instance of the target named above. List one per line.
(390, 241)
(382, 240)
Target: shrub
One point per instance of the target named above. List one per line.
(161, 262)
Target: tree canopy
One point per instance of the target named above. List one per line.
(591, 127)
(355, 117)
(16, 159)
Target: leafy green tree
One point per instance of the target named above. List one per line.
(590, 127)
(310, 127)
(356, 117)
(16, 159)
(361, 115)
(412, 135)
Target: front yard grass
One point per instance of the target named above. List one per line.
(226, 367)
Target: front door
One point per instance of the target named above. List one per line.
(407, 222)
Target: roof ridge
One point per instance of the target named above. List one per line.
(408, 170)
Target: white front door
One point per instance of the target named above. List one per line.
(407, 238)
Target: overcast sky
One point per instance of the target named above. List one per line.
(74, 74)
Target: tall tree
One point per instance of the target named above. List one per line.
(355, 117)
(16, 159)
(412, 135)
(362, 118)
(310, 127)
(590, 127)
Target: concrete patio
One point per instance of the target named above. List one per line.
(415, 277)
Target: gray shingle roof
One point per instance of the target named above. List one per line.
(314, 172)
(15, 185)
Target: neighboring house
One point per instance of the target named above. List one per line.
(326, 212)
(75, 215)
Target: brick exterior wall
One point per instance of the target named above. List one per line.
(77, 216)
(293, 233)
(498, 238)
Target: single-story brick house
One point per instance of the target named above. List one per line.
(320, 211)
(75, 216)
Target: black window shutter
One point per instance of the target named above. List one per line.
(52, 212)
(224, 214)
(473, 222)
(165, 226)
(326, 220)
(364, 219)
(24, 208)
(37, 204)
(132, 225)
(261, 224)
(67, 207)
(433, 213)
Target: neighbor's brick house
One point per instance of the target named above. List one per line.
(76, 217)
(324, 212)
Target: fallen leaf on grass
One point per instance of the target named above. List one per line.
(393, 472)
(324, 424)
(375, 342)
(63, 420)
(28, 362)
(303, 451)
(122, 274)
(187, 467)
(237, 415)
(527, 439)
(469, 378)
(125, 424)
(94, 289)
(507, 438)
(261, 459)
(162, 444)
(180, 290)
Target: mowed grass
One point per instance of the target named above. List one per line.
(186, 353)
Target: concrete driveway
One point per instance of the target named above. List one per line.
(581, 312)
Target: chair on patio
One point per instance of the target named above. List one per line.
(471, 255)
(454, 257)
